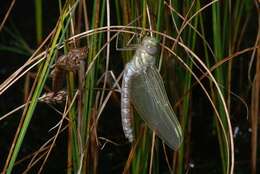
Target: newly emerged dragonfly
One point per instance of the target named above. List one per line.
(143, 86)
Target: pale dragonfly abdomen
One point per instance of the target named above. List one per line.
(143, 86)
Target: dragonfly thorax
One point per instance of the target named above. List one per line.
(145, 55)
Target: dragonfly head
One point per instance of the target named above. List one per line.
(150, 45)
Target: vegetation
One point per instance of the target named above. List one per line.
(209, 60)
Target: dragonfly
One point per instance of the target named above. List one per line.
(142, 86)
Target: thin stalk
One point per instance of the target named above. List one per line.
(219, 52)
(38, 20)
(43, 74)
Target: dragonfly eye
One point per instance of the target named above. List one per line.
(150, 45)
(151, 49)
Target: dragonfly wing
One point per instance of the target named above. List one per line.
(149, 98)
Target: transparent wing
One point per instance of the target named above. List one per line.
(149, 98)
